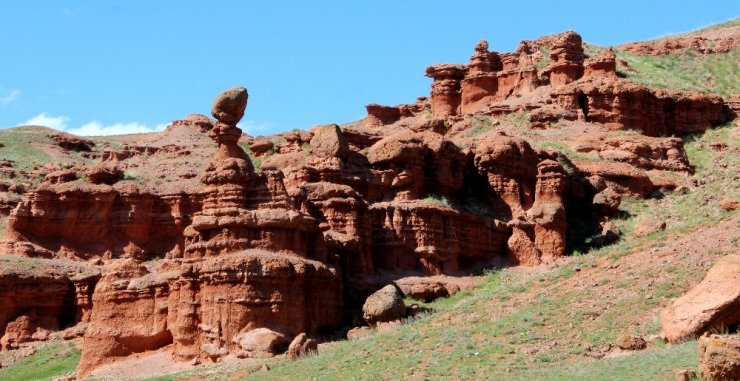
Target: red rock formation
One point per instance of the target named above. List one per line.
(641, 151)
(531, 192)
(208, 304)
(236, 215)
(378, 115)
(567, 56)
(72, 142)
(620, 104)
(445, 95)
(38, 297)
(58, 219)
(419, 236)
(412, 164)
(713, 303)
(623, 178)
(603, 65)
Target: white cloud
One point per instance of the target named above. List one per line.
(97, 128)
(43, 119)
(4, 101)
(93, 128)
(255, 128)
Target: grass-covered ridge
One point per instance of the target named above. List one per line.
(717, 73)
(21, 144)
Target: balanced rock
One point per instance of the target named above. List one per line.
(384, 305)
(229, 106)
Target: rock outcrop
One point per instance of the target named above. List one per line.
(713, 303)
(248, 277)
(39, 297)
(569, 86)
(719, 357)
(384, 305)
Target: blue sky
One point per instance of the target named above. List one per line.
(95, 67)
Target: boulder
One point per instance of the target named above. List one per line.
(713, 303)
(729, 204)
(229, 106)
(384, 305)
(357, 333)
(301, 346)
(104, 174)
(328, 141)
(719, 357)
(649, 225)
(685, 375)
(261, 342)
(631, 342)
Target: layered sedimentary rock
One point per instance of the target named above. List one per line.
(623, 105)
(204, 308)
(445, 95)
(38, 297)
(530, 189)
(126, 221)
(247, 265)
(571, 86)
(567, 59)
(641, 151)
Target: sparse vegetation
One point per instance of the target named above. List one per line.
(440, 201)
(21, 144)
(131, 175)
(715, 73)
(49, 362)
(484, 124)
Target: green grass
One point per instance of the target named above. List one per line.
(700, 206)
(19, 145)
(256, 161)
(659, 364)
(131, 175)
(440, 201)
(717, 73)
(51, 361)
(483, 124)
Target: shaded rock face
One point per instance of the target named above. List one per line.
(37, 302)
(531, 196)
(713, 303)
(719, 357)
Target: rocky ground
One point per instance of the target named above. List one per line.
(596, 193)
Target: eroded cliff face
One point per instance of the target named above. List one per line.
(571, 86)
(289, 236)
(39, 298)
(98, 221)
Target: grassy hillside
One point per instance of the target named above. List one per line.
(714, 73)
(49, 362)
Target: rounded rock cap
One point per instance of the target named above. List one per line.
(229, 106)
